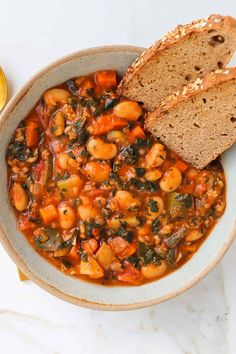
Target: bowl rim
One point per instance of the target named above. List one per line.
(20, 262)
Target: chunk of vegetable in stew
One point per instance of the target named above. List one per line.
(98, 196)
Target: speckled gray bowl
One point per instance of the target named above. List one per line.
(48, 277)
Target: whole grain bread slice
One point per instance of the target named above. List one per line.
(198, 122)
(189, 52)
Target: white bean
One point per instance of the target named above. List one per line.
(171, 180)
(101, 150)
(154, 271)
(156, 156)
(153, 174)
(129, 110)
(98, 171)
(127, 201)
(87, 210)
(20, 197)
(67, 215)
(54, 96)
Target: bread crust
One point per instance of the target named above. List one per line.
(187, 92)
(180, 33)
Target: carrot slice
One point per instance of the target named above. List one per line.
(106, 123)
(106, 78)
(130, 274)
(32, 133)
(73, 256)
(48, 213)
(182, 166)
(135, 133)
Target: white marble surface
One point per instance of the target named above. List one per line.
(201, 321)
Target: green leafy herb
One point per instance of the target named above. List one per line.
(18, 151)
(153, 206)
(144, 186)
(81, 132)
(110, 103)
(211, 211)
(141, 143)
(60, 177)
(140, 171)
(89, 227)
(71, 86)
(148, 255)
(156, 225)
(130, 154)
(114, 176)
(84, 153)
(79, 124)
(124, 233)
(134, 260)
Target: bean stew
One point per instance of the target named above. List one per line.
(101, 198)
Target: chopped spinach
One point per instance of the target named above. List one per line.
(156, 225)
(19, 151)
(74, 103)
(124, 233)
(84, 153)
(148, 255)
(110, 103)
(150, 186)
(71, 86)
(114, 176)
(79, 124)
(60, 177)
(81, 132)
(211, 211)
(140, 171)
(141, 143)
(117, 164)
(153, 206)
(134, 260)
(130, 154)
(89, 227)
(144, 186)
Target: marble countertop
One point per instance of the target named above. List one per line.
(202, 320)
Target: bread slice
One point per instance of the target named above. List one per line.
(198, 122)
(189, 52)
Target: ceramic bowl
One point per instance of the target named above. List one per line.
(70, 288)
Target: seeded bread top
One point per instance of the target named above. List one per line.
(212, 79)
(213, 22)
